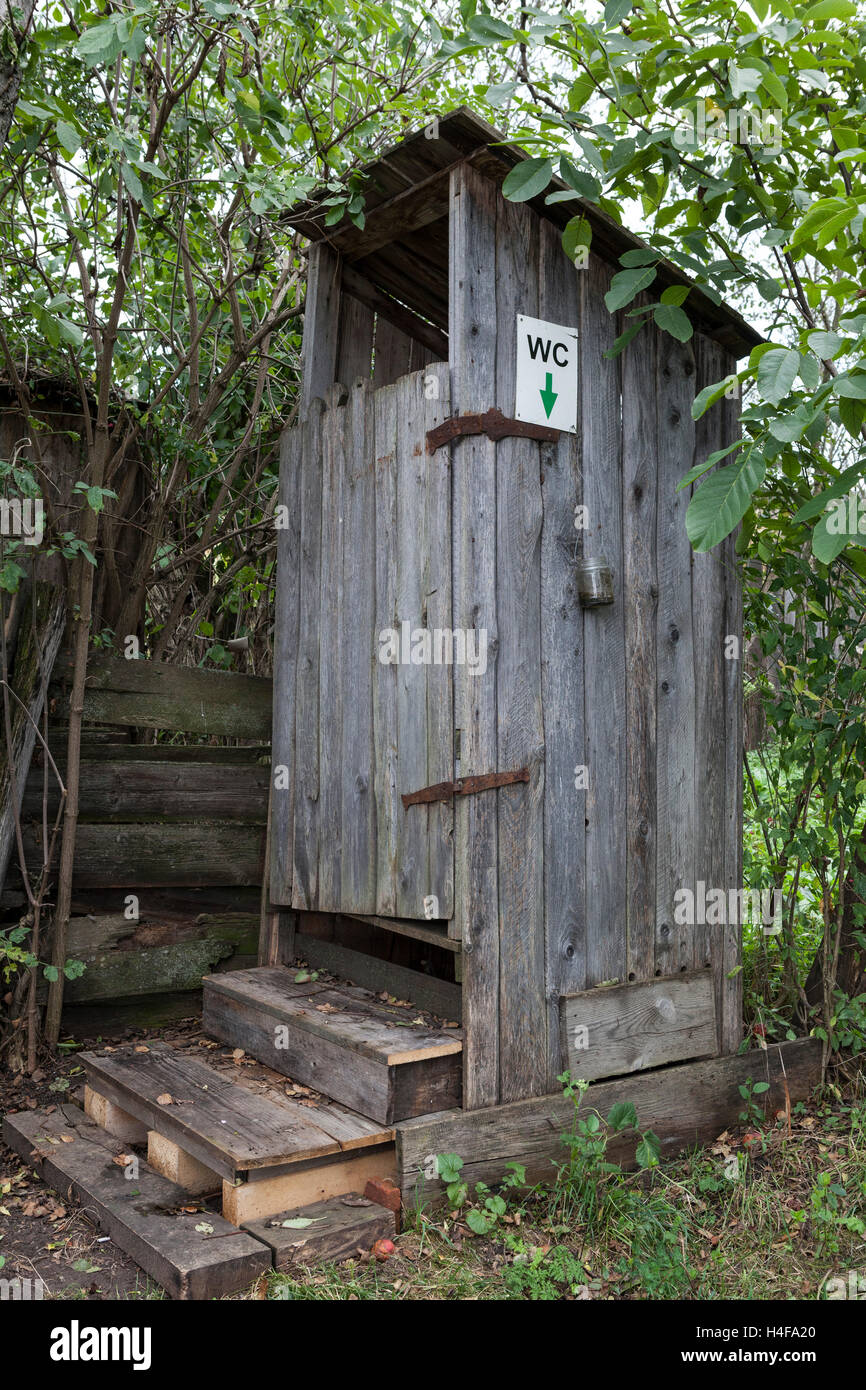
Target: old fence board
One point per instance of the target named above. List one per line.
(156, 695)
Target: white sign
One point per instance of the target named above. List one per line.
(546, 374)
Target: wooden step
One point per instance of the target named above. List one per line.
(223, 1125)
(333, 1230)
(142, 1215)
(342, 1040)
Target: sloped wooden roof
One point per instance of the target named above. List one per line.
(404, 242)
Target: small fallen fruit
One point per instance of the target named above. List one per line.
(384, 1249)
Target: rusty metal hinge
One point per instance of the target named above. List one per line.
(464, 786)
(492, 423)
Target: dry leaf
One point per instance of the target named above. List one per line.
(165, 1099)
(68, 1138)
(238, 1054)
(327, 1009)
(141, 1048)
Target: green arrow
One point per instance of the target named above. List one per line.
(548, 395)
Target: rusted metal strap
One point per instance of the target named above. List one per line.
(492, 423)
(465, 786)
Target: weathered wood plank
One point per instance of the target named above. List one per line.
(226, 1127)
(604, 638)
(472, 337)
(561, 677)
(355, 350)
(356, 655)
(675, 708)
(286, 639)
(321, 324)
(391, 315)
(331, 673)
(166, 856)
(629, 1028)
(337, 1230)
(157, 695)
(413, 825)
(732, 1003)
(343, 1042)
(433, 934)
(393, 349)
(436, 389)
(523, 1054)
(684, 1105)
(640, 600)
(439, 996)
(144, 1218)
(708, 620)
(305, 881)
(135, 789)
(387, 792)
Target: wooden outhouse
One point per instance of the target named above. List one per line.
(462, 747)
(504, 747)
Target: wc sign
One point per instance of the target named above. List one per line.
(546, 374)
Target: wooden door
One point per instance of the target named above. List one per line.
(371, 715)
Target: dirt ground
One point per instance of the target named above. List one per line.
(42, 1236)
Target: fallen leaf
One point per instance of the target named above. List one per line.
(327, 1009)
(165, 1099)
(141, 1048)
(238, 1054)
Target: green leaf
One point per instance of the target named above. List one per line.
(449, 1166)
(720, 503)
(478, 1222)
(578, 233)
(827, 544)
(710, 394)
(626, 284)
(132, 181)
(673, 320)
(615, 12)
(825, 345)
(68, 137)
(485, 29)
(675, 294)
(529, 178)
(649, 1150)
(622, 1116)
(708, 463)
(818, 503)
(829, 9)
(777, 372)
(99, 43)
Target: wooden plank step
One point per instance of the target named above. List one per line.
(332, 1230)
(225, 1126)
(343, 1041)
(143, 1215)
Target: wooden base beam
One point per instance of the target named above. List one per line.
(684, 1105)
